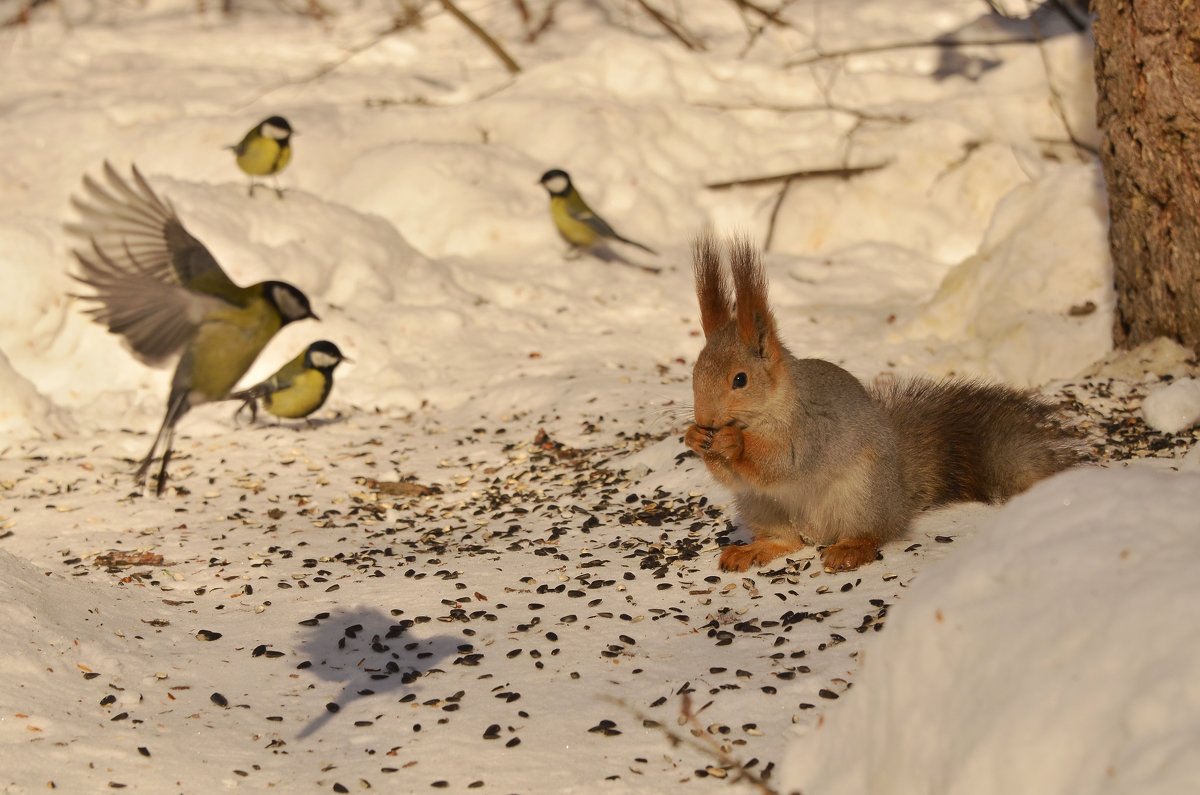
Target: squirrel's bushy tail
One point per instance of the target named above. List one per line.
(966, 440)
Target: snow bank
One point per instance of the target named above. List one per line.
(1053, 653)
(24, 411)
(1032, 304)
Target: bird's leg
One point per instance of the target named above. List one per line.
(144, 467)
(252, 184)
(177, 406)
(162, 470)
(278, 190)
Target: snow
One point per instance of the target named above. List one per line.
(413, 221)
(1173, 408)
(1044, 656)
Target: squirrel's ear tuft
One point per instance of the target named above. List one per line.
(755, 323)
(712, 287)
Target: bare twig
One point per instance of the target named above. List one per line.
(949, 44)
(701, 741)
(23, 13)
(858, 113)
(844, 172)
(771, 16)
(787, 184)
(676, 31)
(1056, 100)
(483, 36)
(534, 32)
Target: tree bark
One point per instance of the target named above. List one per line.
(1148, 82)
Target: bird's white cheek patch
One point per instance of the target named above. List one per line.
(321, 359)
(278, 133)
(288, 305)
(556, 184)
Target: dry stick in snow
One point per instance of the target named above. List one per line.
(534, 32)
(948, 44)
(812, 173)
(1056, 100)
(670, 27)
(842, 173)
(483, 36)
(705, 745)
(771, 16)
(770, 237)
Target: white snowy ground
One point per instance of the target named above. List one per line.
(533, 624)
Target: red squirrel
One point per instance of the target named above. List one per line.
(813, 456)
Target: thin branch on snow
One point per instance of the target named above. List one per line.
(858, 113)
(481, 34)
(950, 44)
(770, 16)
(24, 12)
(841, 172)
(676, 31)
(701, 741)
(1056, 100)
(770, 237)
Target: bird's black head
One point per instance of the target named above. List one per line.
(323, 355)
(276, 127)
(291, 304)
(556, 181)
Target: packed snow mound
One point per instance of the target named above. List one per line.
(1052, 654)
(1031, 305)
(58, 629)
(24, 411)
(1173, 408)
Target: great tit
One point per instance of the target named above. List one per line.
(576, 222)
(265, 150)
(298, 388)
(160, 288)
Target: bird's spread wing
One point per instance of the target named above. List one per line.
(153, 282)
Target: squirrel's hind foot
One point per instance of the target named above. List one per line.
(849, 553)
(741, 557)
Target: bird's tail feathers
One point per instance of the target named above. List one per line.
(636, 244)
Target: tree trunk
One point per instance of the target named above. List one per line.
(1148, 81)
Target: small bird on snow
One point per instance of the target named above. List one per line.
(298, 388)
(578, 224)
(265, 150)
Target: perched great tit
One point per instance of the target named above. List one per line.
(160, 288)
(298, 388)
(265, 150)
(576, 222)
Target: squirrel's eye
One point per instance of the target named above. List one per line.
(739, 380)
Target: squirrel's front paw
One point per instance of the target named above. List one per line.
(698, 439)
(727, 443)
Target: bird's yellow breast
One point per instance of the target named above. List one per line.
(228, 342)
(263, 156)
(302, 397)
(575, 232)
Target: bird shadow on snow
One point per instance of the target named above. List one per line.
(370, 654)
(606, 254)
